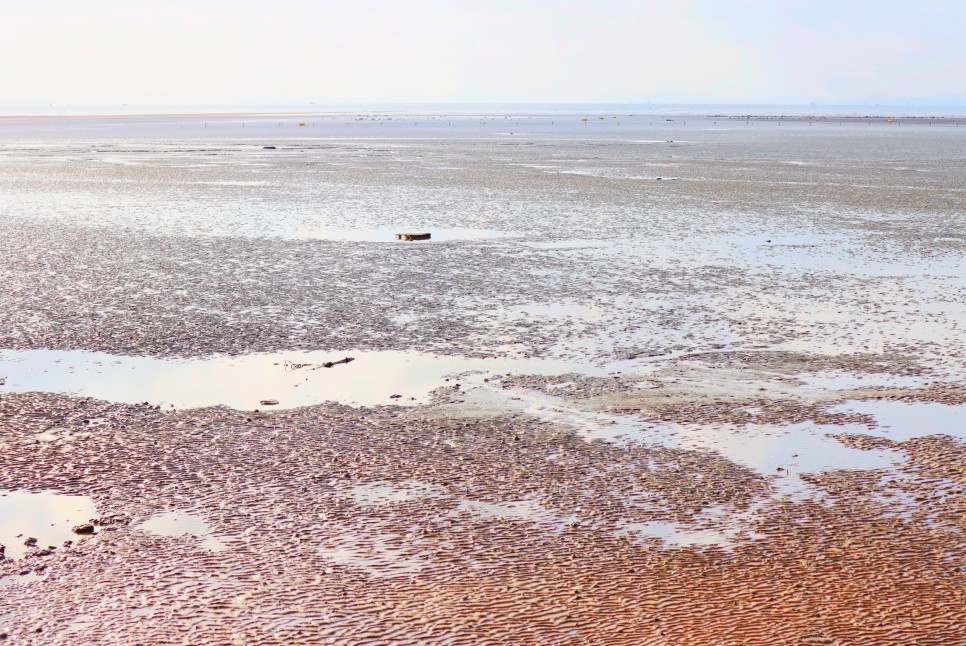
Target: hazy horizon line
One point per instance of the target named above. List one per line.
(939, 102)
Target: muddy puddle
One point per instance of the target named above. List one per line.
(783, 453)
(382, 493)
(44, 519)
(717, 527)
(900, 421)
(14, 579)
(832, 380)
(185, 525)
(779, 453)
(380, 555)
(293, 379)
(525, 510)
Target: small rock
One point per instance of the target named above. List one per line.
(86, 528)
(30, 542)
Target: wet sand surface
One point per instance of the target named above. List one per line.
(697, 381)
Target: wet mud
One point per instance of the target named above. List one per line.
(354, 525)
(748, 426)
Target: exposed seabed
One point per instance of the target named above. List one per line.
(655, 379)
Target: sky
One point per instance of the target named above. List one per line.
(220, 52)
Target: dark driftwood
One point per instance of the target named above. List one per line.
(329, 364)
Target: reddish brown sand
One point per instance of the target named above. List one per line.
(433, 550)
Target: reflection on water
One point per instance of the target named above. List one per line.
(242, 382)
(778, 452)
(179, 523)
(380, 493)
(720, 526)
(567, 244)
(781, 453)
(559, 310)
(14, 579)
(901, 421)
(842, 381)
(839, 253)
(47, 516)
(380, 554)
(525, 509)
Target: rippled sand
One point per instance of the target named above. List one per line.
(654, 382)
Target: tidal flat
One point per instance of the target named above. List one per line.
(655, 379)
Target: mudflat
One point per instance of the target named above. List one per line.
(654, 379)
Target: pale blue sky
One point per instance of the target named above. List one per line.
(103, 52)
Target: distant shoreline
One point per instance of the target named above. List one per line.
(710, 111)
(173, 115)
(304, 115)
